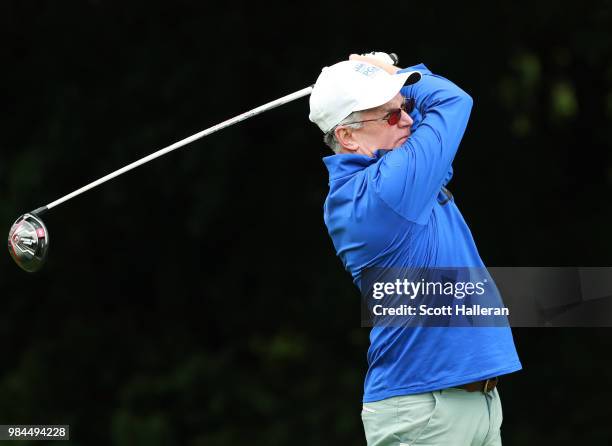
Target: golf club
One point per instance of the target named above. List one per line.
(28, 240)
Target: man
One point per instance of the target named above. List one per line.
(388, 207)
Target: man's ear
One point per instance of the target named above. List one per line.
(344, 135)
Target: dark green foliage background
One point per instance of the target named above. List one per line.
(198, 300)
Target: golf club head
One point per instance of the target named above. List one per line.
(28, 242)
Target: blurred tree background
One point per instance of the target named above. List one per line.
(198, 300)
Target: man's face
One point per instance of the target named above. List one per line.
(379, 134)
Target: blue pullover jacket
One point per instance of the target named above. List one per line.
(391, 211)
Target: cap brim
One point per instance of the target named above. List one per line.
(413, 77)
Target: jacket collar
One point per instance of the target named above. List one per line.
(343, 165)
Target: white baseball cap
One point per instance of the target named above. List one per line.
(351, 86)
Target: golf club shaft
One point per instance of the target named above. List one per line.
(270, 105)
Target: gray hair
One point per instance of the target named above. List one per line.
(330, 137)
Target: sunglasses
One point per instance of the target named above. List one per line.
(394, 116)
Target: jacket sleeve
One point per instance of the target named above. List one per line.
(409, 178)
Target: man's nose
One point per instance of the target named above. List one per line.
(406, 120)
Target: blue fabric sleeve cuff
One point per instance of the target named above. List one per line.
(420, 68)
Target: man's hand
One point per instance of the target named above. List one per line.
(390, 58)
(382, 60)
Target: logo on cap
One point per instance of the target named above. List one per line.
(366, 70)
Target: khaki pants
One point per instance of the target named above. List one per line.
(449, 417)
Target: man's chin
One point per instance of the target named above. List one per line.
(399, 143)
